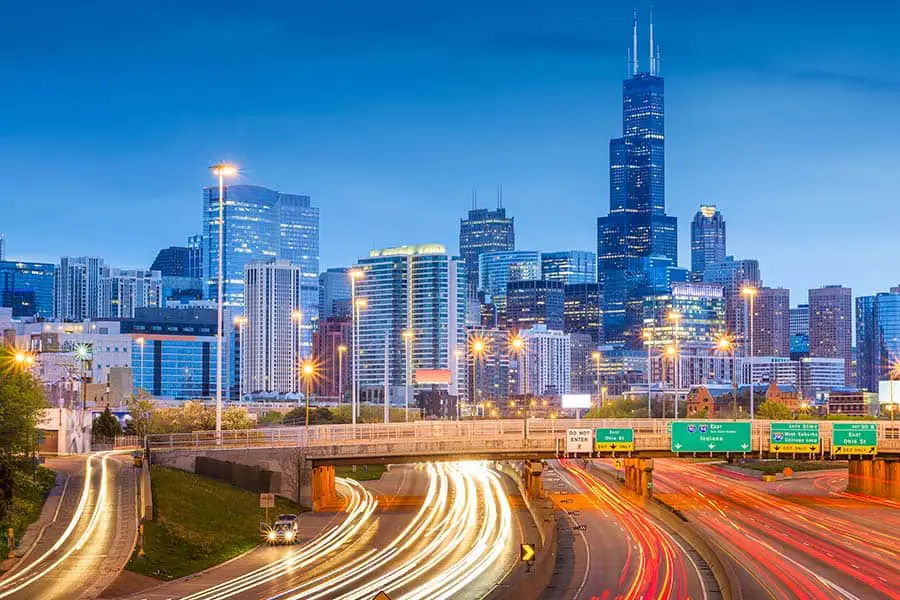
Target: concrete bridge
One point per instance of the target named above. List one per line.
(305, 457)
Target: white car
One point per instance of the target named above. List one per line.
(284, 531)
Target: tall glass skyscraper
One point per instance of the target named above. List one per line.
(27, 288)
(483, 231)
(568, 267)
(877, 337)
(707, 240)
(497, 269)
(637, 225)
(262, 224)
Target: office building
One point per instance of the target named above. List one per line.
(707, 240)
(547, 362)
(418, 289)
(489, 372)
(734, 275)
(581, 310)
(178, 261)
(261, 225)
(331, 350)
(831, 324)
(535, 302)
(271, 334)
(483, 231)
(583, 368)
(27, 288)
(334, 293)
(694, 313)
(771, 322)
(821, 374)
(124, 290)
(572, 266)
(877, 338)
(55, 345)
(497, 269)
(637, 225)
(799, 331)
(77, 288)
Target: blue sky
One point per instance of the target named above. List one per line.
(388, 114)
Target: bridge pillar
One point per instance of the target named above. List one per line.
(876, 477)
(323, 491)
(639, 476)
(531, 475)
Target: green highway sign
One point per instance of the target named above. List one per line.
(613, 440)
(794, 436)
(854, 438)
(710, 436)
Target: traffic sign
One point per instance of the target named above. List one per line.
(613, 440)
(267, 500)
(526, 552)
(854, 438)
(579, 440)
(381, 596)
(794, 436)
(710, 436)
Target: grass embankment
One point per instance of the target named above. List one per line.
(199, 523)
(363, 472)
(29, 495)
(771, 467)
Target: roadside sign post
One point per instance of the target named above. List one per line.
(267, 501)
(613, 440)
(11, 542)
(794, 437)
(579, 441)
(711, 436)
(526, 555)
(854, 438)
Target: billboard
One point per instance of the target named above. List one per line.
(576, 400)
(886, 395)
(433, 376)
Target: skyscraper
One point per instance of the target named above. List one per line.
(733, 275)
(483, 231)
(571, 266)
(581, 312)
(799, 330)
(497, 269)
(877, 337)
(701, 315)
(772, 322)
(637, 226)
(177, 261)
(831, 324)
(271, 352)
(27, 288)
(77, 288)
(707, 240)
(262, 224)
(417, 289)
(535, 302)
(547, 358)
(334, 293)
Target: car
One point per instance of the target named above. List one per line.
(284, 531)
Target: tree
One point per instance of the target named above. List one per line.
(106, 426)
(236, 417)
(21, 402)
(141, 409)
(773, 409)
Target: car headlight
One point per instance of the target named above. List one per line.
(272, 535)
(289, 535)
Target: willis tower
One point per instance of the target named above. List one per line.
(636, 241)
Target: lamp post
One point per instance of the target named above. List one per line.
(407, 337)
(675, 317)
(596, 357)
(140, 342)
(354, 274)
(239, 323)
(220, 170)
(725, 344)
(341, 349)
(478, 346)
(358, 306)
(648, 337)
(750, 292)
(670, 352)
(308, 372)
(297, 317)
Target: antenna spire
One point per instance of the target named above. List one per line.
(652, 57)
(634, 32)
(474, 199)
(500, 196)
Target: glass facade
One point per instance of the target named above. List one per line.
(27, 288)
(582, 310)
(483, 231)
(701, 323)
(497, 269)
(707, 240)
(573, 266)
(877, 337)
(530, 303)
(334, 293)
(178, 261)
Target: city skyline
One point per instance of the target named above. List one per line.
(565, 65)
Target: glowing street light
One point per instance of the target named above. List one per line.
(750, 292)
(355, 275)
(341, 349)
(596, 356)
(478, 348)
(407, 338)
(647, 336)
(726, 344)
(308, 373)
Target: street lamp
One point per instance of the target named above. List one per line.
(648, 337)
(297, 316)
(407, 337)
(517, 347)
(478, 348)
(308, 372)
(726, 344)
(354, 274)
(341, 349)
(671, 353)
(220, 170)
(596, 357)
(675, 317)
(750, 292)
(239, 323)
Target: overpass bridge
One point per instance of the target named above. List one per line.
(873, 448)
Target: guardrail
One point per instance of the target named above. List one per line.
(649, 434)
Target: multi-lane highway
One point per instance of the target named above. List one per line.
(90, 539)
(802, 538)
(439, 530)
(610, 548)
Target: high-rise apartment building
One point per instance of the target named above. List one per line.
(421, 290)
(831, 324)
(571, 266)
(483, 231)
(707, 240)
(27, 288)
(77, 288)
(547, 362)
(877, 338)
(535, 302)
(581, 311)
(800, 330)
(261, 225)
(334, 293)
(122, 291)
(771, 322)
(734, 275)
(637, 226)
(497, 269)
(271, 334)
(692, 313)
(331, 349)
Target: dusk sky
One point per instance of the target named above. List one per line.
(784, 114)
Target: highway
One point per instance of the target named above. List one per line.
(622, 552)
(89, 542)
(801, 538)
(438, 530)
